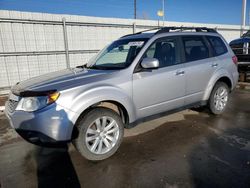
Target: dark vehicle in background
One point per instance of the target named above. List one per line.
(241, 48)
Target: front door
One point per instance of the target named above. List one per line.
(162, 89)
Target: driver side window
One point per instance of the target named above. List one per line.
(164, 51)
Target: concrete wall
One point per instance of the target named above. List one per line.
(32, 44)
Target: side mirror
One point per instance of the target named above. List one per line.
(150, 63)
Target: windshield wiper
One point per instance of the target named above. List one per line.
(98, 67)
(94, 67)
(81, 66)
(84, 66)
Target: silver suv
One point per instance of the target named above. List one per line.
(136, 78)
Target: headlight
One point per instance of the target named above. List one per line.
(31, 104)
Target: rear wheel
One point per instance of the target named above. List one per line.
(219, 98)
(100, 133)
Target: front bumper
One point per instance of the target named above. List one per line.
(244, 63)
(51, 124)
(243, 67)
(40, 139)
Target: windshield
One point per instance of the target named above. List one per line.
(118, 55)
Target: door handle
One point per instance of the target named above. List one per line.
(179, 73)
(214, 65)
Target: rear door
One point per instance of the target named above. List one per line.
(200, 64)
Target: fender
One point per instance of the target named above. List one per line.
(98, 94)
(216, 76)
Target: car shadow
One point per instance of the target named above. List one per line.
(55, 168)
(52, 160)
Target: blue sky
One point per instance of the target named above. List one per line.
(204, 11)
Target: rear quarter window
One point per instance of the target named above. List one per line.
(195, 48)
(217, 44)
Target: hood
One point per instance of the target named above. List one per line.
(60, 80)
(240, 40)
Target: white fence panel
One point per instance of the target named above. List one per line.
(32, 44)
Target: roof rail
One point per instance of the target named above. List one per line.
(197, 29)
(168, 29)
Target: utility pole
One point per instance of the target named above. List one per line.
(134, 9)
(163, 10)
(243, 16)
(249, 19)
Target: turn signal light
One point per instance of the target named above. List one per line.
(53, 97)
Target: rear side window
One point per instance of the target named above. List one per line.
(195, 48)
(218, 45)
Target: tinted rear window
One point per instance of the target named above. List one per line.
(195, 48)
(218, 45)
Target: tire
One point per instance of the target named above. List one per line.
(217, 102)
(92, 137)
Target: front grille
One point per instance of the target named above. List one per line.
(237, 49)
(243, 58)
(240, 49)
(11, 105)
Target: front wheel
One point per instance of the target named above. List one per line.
(100, 133)
(219, 98)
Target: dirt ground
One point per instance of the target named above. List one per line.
(188, 149)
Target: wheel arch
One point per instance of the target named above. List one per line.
(109, 104)
(227, 81)
(223, 77)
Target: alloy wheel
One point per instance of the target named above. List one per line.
(102, 135)
(220, 98)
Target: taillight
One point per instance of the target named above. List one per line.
(235, 60)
